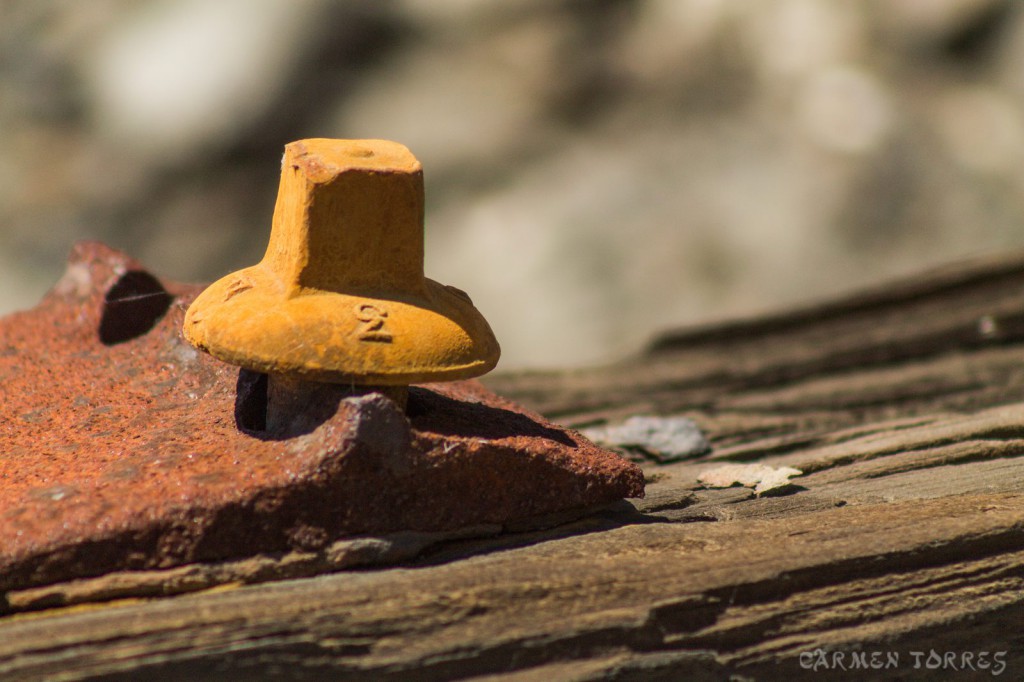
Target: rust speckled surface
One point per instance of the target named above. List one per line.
(343, 272)
(122, 447)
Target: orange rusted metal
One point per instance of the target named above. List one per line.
(340, 295)
(124, 448)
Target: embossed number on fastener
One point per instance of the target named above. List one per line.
(372, 317)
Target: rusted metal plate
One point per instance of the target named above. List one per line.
(121, 447)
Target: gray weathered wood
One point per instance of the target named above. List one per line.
(903, 407)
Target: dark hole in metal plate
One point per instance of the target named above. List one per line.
(132, 307)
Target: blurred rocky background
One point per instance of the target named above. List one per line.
(596, 169)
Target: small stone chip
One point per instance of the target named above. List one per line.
(763, 479)
(663, 439)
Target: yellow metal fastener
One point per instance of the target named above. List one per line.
(340, 296)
